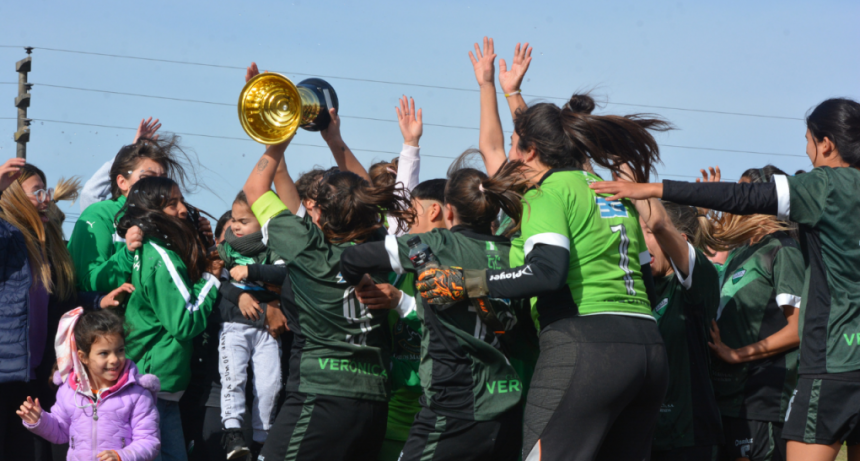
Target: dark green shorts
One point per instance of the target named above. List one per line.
(439, 438)
(755, 440)
(824, 410)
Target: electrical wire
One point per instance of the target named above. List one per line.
(387, 82)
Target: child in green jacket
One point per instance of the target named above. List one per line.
(176, 288)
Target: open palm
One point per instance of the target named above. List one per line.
(483, 61)
(411, 124)
(147, 129)
(511, 79)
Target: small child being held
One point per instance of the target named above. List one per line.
(243, 338)
(104, 405)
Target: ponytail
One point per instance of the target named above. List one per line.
(384, 173)
(478, 199)
(351, 209)
(569, 136)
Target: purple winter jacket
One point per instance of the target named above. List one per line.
(124, 419)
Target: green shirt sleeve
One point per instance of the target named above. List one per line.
(99, 266)
(788, 273)
(545, 221)
(805, 196)
(181, 307)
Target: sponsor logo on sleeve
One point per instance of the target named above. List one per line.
(512, 275)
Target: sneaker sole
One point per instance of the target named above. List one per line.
(238, 453)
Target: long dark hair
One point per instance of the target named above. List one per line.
(567, 137)
(839, 120)
(144, 208)
(351, 209)
(479, 198)
(165, 151)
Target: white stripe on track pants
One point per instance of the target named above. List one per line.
(238, 344)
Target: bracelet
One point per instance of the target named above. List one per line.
(508, 95)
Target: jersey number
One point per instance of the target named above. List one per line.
(624, 263)
(356, 313)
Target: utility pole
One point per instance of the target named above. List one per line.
(22, 102)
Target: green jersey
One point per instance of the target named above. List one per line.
(102, 260)
(340, 347)
(685, 307)
(464, 370)
(405, 358)
(758, 280)
(606, 244)
(824, 203)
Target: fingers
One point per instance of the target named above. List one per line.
(412, 107)
(717, 173)
(489, 45)
(419, 117)
(478, 53)
(503, 67)
(472, 58)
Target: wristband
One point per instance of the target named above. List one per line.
(512, 93)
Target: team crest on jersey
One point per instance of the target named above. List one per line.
(340, 278)
(738, 275)
(662, 305)
(610, 209)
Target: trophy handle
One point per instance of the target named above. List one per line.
(327, 99)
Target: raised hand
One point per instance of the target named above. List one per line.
(714, 175)
(216, 265)
(252, 72)
(411, 123)
(10, 171)
(483, 62)
(133, 238)
(114, 298)
(30, 411)
(147, 129)
(510, 80)
(332, 132)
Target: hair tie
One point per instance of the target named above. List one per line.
(391, 170)
(67, 350)
(481, 187)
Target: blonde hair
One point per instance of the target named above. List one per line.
(732, 231)
(46, 247)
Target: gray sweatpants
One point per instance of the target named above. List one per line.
(238, 344)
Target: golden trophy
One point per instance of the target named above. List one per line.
(271, 107)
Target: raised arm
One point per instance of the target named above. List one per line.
(343, 156)
(285, 187)
(671, 241)
(409, 163)
(491, 138)
(260, 180)
(510, 80)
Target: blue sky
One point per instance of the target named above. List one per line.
(768, 58)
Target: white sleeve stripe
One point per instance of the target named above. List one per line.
(211, 281)
(393, 254)
(117, 238)
(783, 197)
(644, 258)
(302, 211)
(691, 261)
(406, 305)
(786, 299)
(547, 238)
(265, 230)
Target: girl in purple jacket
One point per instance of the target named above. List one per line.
(105, 410)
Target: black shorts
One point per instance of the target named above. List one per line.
(434, 437)
(596, 390)
(700, 453)
(824, 411)
(755, 440)
(322, 427)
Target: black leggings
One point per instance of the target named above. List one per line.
(596, 390)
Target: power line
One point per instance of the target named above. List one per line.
(231, 105)
(386, 82)
(384, 151)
